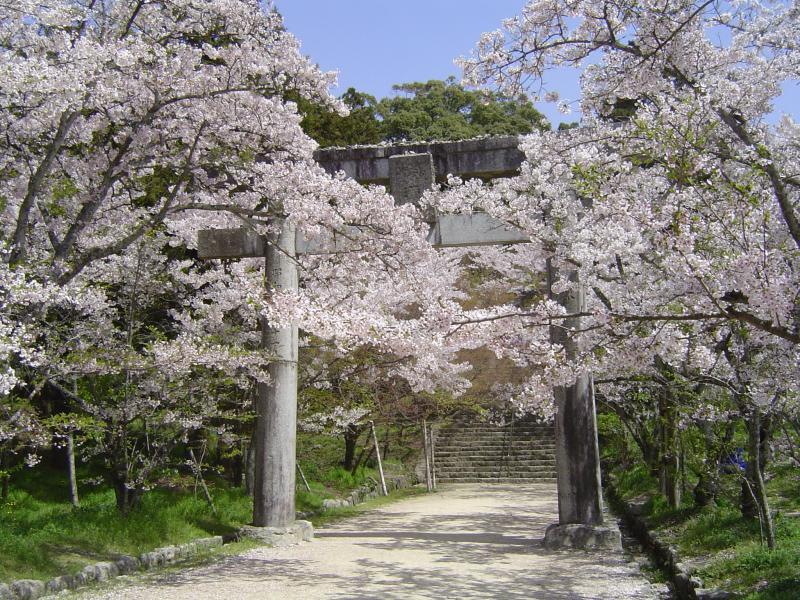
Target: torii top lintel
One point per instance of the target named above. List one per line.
(487, 158)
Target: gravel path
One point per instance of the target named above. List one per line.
(466, 541)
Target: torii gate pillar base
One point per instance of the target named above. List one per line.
(576, 536)
(297, 532)
(580, 499)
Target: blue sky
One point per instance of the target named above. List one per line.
(376, 43)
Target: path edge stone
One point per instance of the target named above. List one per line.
(686, 584)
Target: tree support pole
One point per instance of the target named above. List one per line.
(380, 462)
(276, 411)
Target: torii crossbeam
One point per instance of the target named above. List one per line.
(410, 170)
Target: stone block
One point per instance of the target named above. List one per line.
(150, 560)
(89, 573)
(127, 564)
(578, 536)
(299, 531)
(305, 530)
(169, 554)
(27, 589)
(5, 592)
(209, 542)
(703, 594)
(59, 584)
(410, 175)
(103, 571)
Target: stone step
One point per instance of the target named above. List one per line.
(537, 469)
(551, 479)
(493, 442)
(497, 469)
(512, 464)
(494, 456)
(496, 450)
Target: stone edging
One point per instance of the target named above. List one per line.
(30, 589)
(686, 584)
(362, 494)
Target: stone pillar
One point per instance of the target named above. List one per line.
(580, 499)
(276, 410)
(410, 175)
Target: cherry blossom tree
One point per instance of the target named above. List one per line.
(129, 125)
(674, 205)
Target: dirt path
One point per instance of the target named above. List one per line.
(466, 541)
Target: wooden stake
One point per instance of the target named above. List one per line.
(198, 473)
(380, 463)
(428, 480)
(433, 458)
(303, 477)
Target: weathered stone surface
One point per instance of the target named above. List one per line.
(330, 503)
(410, 175)
(27, 589)
(169, 553)
(89, 574)
(127, 564)
(305, 530)
(477, 229)
(209, 542)
(483, 157)
(703, 594)
(299, 531)
(583, 537)
(5, 592)
(103, 571)
(150, 560)
(229, 243)
(59, 584)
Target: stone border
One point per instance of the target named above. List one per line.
(360, 495)
(686, 584)
(30, 589)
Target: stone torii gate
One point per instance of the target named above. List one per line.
(409, 170)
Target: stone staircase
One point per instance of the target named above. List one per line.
(485, 453)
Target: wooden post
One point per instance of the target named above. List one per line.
(380, 462)
(198, 473)
(428, 480)
(303, 477)
(431, 445)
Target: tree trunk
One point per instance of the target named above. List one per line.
(350, 442)
(127, 498)
(669, 472)
(755, 467)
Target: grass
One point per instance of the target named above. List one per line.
(42, 535)
(737, 560)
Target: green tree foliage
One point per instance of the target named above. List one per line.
(444, 110)
(436, 110)
(328, 128)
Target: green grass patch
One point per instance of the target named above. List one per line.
(42, 535)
